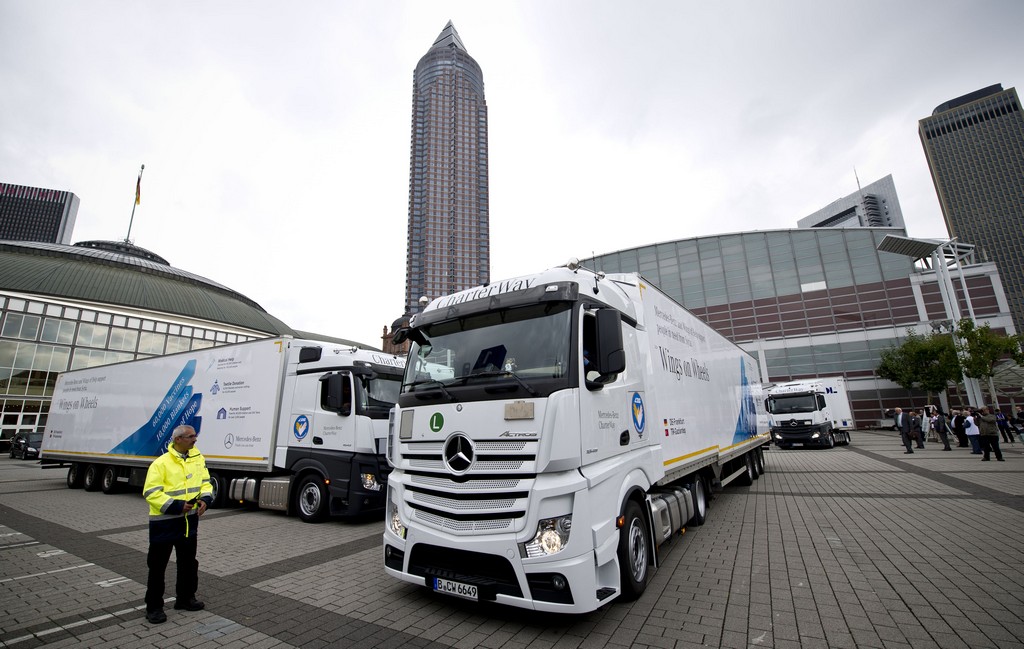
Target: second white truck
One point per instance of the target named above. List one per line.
(286, 424)
(810, 412)
(553, 430)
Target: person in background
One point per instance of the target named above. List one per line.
(916, 429)
(971, 429)
(903, 425)
(178, 491)
(988, 435)
(1004, 427)
(957, 425)
(941, 428)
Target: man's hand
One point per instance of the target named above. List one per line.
(202, 507)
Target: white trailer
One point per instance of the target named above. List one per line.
(810, 412)
(292, 425)
(582, 421)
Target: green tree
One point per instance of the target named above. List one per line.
(923, 362)
(981, 348)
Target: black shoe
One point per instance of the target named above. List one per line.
(156, 617)
(999, 459)
(984, 459)
(191, 605)
(947, 449)
(905, 452)
(921, 447)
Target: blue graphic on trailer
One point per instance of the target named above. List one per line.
(639, 418)
(301, 427)
(178, 407)
(746, 423)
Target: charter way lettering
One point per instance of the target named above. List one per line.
(486, 291)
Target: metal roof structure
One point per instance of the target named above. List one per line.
(121, 274)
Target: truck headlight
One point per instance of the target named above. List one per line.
(395, 523)
(816, 435)
(370, 482)
(551, 537)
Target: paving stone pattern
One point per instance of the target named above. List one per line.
(860, 546)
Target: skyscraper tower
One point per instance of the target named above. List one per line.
(449, 238)
(975, 150)
(36, 214)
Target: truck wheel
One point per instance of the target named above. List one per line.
(220, 490)
(311, 499)
(830, 442)
(749, 473)
(700, 501)
(75, 476)
(759, 460)
(91, 480)
(108, 480)
(633, 553)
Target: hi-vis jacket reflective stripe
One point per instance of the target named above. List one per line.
(172, 480)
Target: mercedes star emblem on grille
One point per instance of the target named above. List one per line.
(459, 453)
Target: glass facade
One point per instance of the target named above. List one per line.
(449, 237)
(807, 302)
(975, 150)
(40, 338)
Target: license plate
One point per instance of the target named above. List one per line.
(456, 588)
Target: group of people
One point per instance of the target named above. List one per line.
(978, 429)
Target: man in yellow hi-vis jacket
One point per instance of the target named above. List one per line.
(178, 491)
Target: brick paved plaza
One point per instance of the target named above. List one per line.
(860, 546)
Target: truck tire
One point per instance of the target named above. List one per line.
(633, 552)
(220, 490)
(311, 499)
(760, 460)
(75, 476)
(749, 472)
(108, 480)
(91, 479)
(700, 501)
(830, 441)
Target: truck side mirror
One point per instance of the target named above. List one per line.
(609, 357)
(336, 393)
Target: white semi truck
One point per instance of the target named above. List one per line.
(581, 421)
(810, 412)
(286, 424)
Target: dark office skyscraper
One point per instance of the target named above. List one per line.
(449, 239)
(36, 214)
(975, 149)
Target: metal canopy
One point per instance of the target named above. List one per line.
(915, 248)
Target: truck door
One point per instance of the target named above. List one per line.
(612, 413)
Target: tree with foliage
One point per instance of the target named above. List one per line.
(923, 362)
(981, 348)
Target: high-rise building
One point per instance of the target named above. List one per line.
(449, 239)
(36, 214)
(975, 150)
(872, 206)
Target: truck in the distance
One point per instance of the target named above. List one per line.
(286, 424)
(810, 412)
(580, 421)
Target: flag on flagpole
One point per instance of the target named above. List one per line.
(138, 189)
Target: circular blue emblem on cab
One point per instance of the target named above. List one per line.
(639, 419)
(301, 427)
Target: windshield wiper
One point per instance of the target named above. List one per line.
(515, 376)
(431, 383)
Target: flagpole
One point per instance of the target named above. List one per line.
(138, 192)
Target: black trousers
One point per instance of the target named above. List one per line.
(188, 570)
(990, 443)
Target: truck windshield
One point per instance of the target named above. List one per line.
(780, 405)
(378, 395)
(517, 349)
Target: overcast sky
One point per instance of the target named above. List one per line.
(276, 135)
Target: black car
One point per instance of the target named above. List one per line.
(26, 446)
